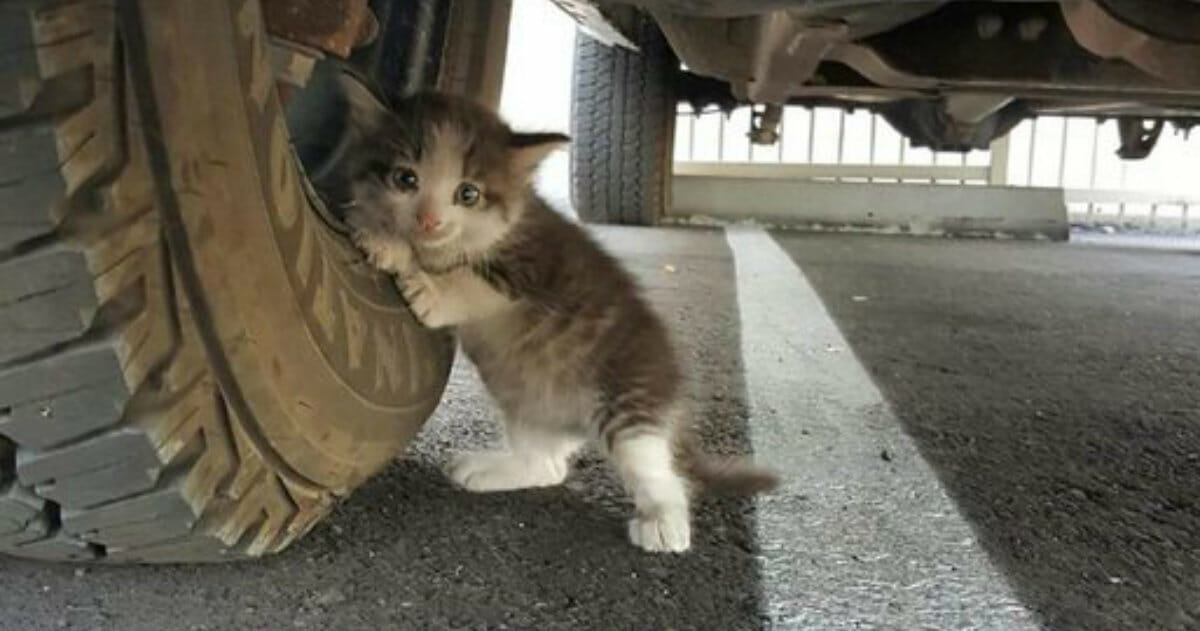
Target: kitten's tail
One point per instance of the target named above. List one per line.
(726, 476)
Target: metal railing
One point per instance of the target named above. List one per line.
(1075, 155)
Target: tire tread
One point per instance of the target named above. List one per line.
(115, 444)
(623, 116)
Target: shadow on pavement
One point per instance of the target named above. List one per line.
(1056, 392)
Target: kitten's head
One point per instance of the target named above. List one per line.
(441, 172)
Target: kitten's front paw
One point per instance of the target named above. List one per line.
(668, 531)
(387, 253)
(488, 471)
(422, 299)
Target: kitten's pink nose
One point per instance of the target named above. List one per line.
(428, 221)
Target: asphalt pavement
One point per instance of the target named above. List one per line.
(975, 435)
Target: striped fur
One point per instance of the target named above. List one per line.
(562, 337)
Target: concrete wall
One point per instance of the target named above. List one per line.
(907, 208)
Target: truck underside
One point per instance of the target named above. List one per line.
(951, 75)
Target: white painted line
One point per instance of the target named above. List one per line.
(852, 540)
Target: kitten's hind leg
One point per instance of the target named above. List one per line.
(644, 458)
(534, 458)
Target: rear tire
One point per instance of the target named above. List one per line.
(192, 368)
(622, 126)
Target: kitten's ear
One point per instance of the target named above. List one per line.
(365, 111)
(528, 150)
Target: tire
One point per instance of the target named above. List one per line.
(622, 126)
(193, 368)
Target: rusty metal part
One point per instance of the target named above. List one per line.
(1105, 36)
(764, 125)
(1173, 20)
(933, 124)
(594, 23)
(870, 64)
(787, 53)
(1137, 138)
(292, 65)
(715, 48)
(1113, 82)
(972, 108)
(1024, 51)
(767, 57)
(333, 26)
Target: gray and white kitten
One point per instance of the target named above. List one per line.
(560, 333)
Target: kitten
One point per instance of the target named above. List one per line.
(560, 333)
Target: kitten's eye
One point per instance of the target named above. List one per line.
(404, 179)
(467, 194)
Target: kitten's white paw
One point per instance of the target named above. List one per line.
(488, 471)
(387, 253)
(422, 299)
(668, 531)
